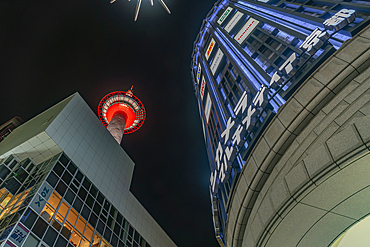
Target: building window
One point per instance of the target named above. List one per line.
(72, 217)
(47, 213)
(75, 223)
(54, 200)
(96, 240)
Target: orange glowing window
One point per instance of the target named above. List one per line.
(84, 243)
(3, 192)
(89, 232)
(96, 240)
(6, 200)
(63, 209)
(81, 223)
(47, 213)
(104, 243)
(75, 238)
(59, 218)
(72, 217)
(54, 200)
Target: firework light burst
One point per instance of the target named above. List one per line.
(151, 2)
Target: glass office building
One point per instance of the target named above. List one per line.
(58, 187)
(249, 59)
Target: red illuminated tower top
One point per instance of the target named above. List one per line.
(122, 113)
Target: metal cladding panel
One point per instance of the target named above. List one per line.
(32, 128)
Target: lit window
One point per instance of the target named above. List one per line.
(96, 241)
(55, 200)
(21, 200)
(5, 200)
(66, 230)
(84, 243)
(80, 226)
(3, 192)
(104, 243)
(4, 203)
(63, 209)
(47, 213)
(76, 238)
(89, 232)
(59, 218)
(72, 217)
(14, 200)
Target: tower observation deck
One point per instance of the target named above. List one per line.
(122, 113)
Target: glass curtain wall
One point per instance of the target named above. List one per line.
(55, 204)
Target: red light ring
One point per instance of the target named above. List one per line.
(129, 104)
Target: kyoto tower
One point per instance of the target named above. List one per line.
(122, 113)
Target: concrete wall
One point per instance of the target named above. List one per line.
(306, 181)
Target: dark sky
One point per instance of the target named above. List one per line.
(51, 49)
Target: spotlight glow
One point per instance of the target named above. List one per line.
(138, 4)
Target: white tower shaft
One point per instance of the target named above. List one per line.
(116, 126)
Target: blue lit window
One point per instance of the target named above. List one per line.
(249, 50)
(218, 79)
(268, 28)
(222, 93)
(231, 112)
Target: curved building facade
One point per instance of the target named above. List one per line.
(282, 88)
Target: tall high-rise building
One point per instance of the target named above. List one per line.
(283, 94)
(64, 181)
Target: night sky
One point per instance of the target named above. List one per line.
(51, 49)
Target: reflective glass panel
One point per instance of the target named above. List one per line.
(47, 213)
(84, 243)
(76, 238)
(104, 243)
(89, 232)
(80, 226)
(63, 209)
(54, 200)
(72, 217)
(96, 240)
